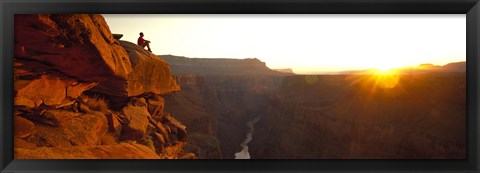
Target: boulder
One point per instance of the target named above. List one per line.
(114, 124)
(21, 143)
(161, 129)
(156, 105)
(158, 139)
(138, 101)
(137, 122)
(173, 151)
(48, 90)
(73, 129)
(118, 151)
(23, 127)
(176, 127)
(170, 119)
(150, 74)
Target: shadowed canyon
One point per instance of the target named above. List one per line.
(83, 92)
(347, 116)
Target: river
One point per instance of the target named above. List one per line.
(244, 154)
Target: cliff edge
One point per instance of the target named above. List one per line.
(82, 94)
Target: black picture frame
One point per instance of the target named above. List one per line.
(10, 7)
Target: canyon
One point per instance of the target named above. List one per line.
(349, 117)
(82, 93)
(345, 116)
(217, 106)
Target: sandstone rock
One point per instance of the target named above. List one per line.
(119, 151)
(173, 152)
(158, 139)
(156, 105)
(162, 130)
(82, 41)
(51, 91)
(21, 143)
(175, 122)
(176, 127)
(189, 156)
(137, 124)
(117, 36)
(83, 107)
(59, 57)
(23, 127)
(114, 124)
(138, 101)
(74, 129)
(56, 43)
(150, 75)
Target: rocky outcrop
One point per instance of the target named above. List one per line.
(82, 94)
(62, 128)
(84, 44)
(82, 47)
(119, 151)
(48, 90)
(137, 117)
(149, 74)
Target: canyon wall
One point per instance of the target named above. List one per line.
(216, 101)
(216, 110)
(353, 117)
(82, 94)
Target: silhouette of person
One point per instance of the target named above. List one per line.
(142, 42)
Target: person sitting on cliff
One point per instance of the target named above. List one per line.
(142, 42)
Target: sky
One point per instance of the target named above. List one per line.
(306, 43)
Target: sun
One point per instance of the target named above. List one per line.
(384, 71)
(386, 77)
(385, 67)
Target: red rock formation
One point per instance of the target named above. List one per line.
(82, 94)
(82, 47)
(137, 122)
(119, 151)
(48, 90)
(79, 46)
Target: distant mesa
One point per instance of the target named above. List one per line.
(285, 70)
(455, 67)
(422, 68)
(181, 65)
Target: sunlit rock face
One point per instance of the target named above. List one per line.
(80, 93)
